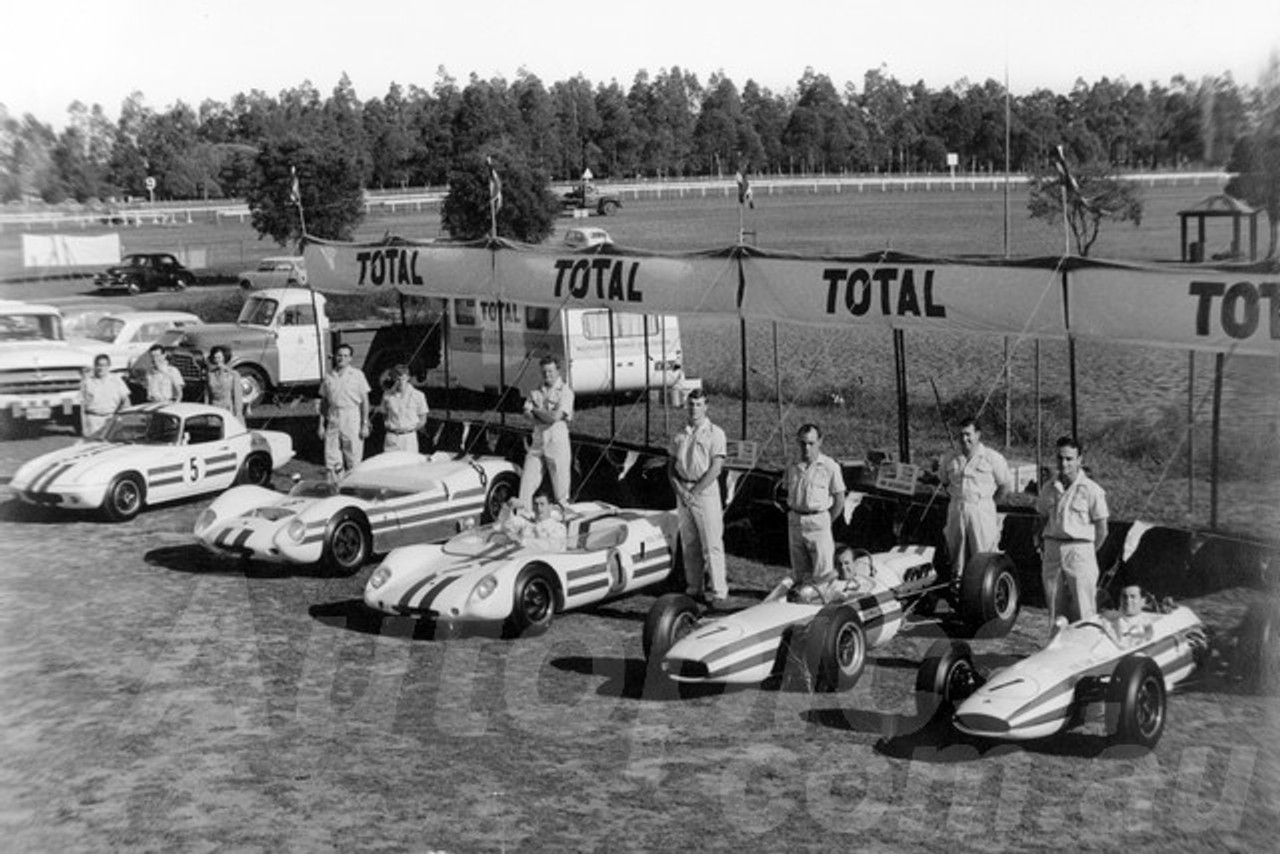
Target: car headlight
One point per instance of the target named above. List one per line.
(296, 530)
(487, 585)
(206, 518)
(380, 577)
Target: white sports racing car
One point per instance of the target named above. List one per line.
(1091, 661)
(151, 454)
(820, 633)
(485, 578)
(389, 500)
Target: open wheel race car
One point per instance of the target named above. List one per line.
(485, 578)
(1084, 663)
(824, 634)
(151, 454)
(389, 500)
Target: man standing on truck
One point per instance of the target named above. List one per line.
(344, 414)
(550, 406)
(404, 411)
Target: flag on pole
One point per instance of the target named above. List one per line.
(295, 191)
(495, 186)
(1060, 163)
(744, 191)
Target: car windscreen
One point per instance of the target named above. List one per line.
(144, 428)
(107, 329)
(30, 327)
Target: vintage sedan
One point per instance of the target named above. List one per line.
(818, 634)
(389, 500)
(145, 271)
(124, 336)
(1086, 662)
(151, 454)
(483, 579)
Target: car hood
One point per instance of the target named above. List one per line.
(205, 335)
(81, 464)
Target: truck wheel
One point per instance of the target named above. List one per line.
(609, 207)
(835, 649)
(989, 597)
(501, 488)
(672, 617)
(253, 385)
(1136, 702)
(124, 498)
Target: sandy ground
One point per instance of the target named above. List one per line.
(157, 699)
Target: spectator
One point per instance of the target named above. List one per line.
(102, 395)
(344, 414)
(1072, 525)
(976, 478)
(404, 411)
(163, 382)
(696, 458)
(222, 384)
(815, 495)
(550, 407)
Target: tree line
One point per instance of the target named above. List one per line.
(666, 125)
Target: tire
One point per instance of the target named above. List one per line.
(989, 595)
(670, 618)
(253, 385)
(1136, 702)
(255, 470)
(835, 649)
(501, 488)
(133, 289)
(347, 543)
(125, 497)
(181, 283)
(533, 601)
(1255, 662)
(246, 285)
(946, 677)
(608, 208)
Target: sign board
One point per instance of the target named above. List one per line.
(953, 159)
(150, 183)
(897, 477)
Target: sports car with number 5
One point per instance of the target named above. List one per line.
(388, 500)
(151, 454)
(487, 578)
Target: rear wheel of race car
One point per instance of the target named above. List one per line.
(989, 595)
(671, 617)
(253, 385)
(255, 470)
(946, 677)
(124, 498)
(1256, 660)
(501, 488)
(347, 543)
(534, 601)
(1136, 696)
(835, 649)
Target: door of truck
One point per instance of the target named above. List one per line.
(298, 342)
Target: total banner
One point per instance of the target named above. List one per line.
(1176, 306)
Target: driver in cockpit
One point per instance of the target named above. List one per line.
(853, 573)
(1132, 625)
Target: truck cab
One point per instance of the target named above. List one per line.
(40, 371)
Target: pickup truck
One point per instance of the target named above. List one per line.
(39, 370)
(588, 197)
(279, 349)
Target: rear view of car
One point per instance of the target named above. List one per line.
(584, 238)
(275, 272)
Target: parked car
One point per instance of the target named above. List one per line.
(150, 454)
(150, 271)
(584, 238)
(275, 272)
(392, 499)
(483, 579)
(126, 335)
(40, 370)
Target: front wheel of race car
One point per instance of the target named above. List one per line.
(671, 617)
(124, 498)
(1136, 702)
(534, 601)
(989, 595)
(501, 488)
(256, 470)
(946, 677)
(835, 649)
(347, 543)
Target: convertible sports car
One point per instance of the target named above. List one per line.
(151, 454)
(1085, 662)
(824, 638)
(484, 578)
(388, 500)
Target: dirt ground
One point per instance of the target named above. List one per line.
(157, 699)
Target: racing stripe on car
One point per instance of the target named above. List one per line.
(406, 601)
(59, 467)
(739, 645)
(765, 656)
(57, 472)
(655, 567)
(597, 573)
(220, 464)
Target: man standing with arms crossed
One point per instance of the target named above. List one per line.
(102, 395)
(815, 495)
(404, 412)
(550, 406)
(344, 414)
(976, 478)
(696, 458)
(1072, 525)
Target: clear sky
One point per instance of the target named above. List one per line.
(99, 51)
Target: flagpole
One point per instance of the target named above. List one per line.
(295, 192)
